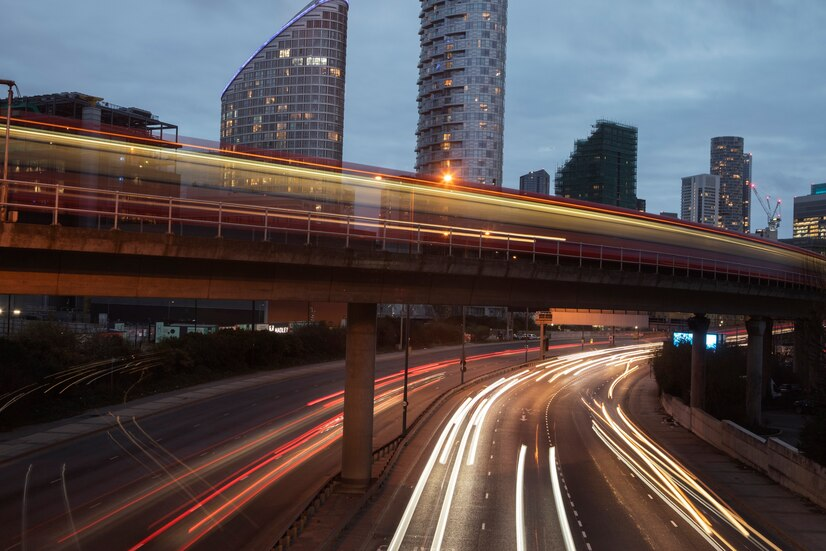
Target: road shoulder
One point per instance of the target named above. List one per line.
(790, 520)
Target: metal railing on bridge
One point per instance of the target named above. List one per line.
(57, 204)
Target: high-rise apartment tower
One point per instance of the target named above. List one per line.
(699, 200)
(462, 90)
(734, 169)
(289, 95)
(537, 181)
(603, 167)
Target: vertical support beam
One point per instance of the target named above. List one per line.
(699, 328)
(357, 438)
(756, 327)
(768, 353)
(807, 346)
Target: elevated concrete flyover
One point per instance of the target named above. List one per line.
(62, 261)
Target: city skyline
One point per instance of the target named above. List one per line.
(566, 68)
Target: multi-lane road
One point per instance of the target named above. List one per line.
(546, 458)
(228, 472)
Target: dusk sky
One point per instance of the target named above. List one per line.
(682, 71)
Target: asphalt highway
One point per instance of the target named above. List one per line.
(229, 472)
(546, 459)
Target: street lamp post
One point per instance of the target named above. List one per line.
(406, 335)
(5, 190)
(8, 317)
(526, 335)
(463, 367)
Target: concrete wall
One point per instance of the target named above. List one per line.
(778, 460)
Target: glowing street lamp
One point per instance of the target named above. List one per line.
(447, 178)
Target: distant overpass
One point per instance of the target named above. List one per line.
(101, 215)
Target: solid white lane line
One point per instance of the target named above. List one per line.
(567, 537)
(674, 523)
(520, 490)
(441, 525)
(401, 529)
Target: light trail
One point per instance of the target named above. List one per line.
(520, 499)
(328, 431)
(678, 487)
(543, 218)
(567, 537)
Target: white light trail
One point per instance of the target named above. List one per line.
(520, 498)
(567, 537)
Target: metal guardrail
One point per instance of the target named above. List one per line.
(137, 212)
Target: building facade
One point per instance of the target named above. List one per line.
(289, 95)
(461, 95)
(733, 166)
(603, 167)
(537, 181)
(700, 199)
(810, 214)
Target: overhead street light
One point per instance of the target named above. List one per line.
(5, 191)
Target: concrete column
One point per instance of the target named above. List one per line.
(756, 328)
(357, 438)
(699, 328)
(807, 347)
(768, 352)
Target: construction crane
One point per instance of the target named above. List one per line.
(772, 214)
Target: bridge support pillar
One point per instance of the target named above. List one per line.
(756, 327)
(357, 437)
(807, 349)
(699, 328)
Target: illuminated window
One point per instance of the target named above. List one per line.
(485, 16)
(284, 53)
(446, 146)
(449, 82)
(446, 136)
(335, 72)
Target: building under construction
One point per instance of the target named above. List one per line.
(603, 167)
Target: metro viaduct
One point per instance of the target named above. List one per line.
(56, 260)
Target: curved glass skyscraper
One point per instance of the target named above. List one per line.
(462, 89)
(289, 95)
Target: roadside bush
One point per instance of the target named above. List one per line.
(478, 333)
(672, 370)
(725, 378)
(435, 333)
